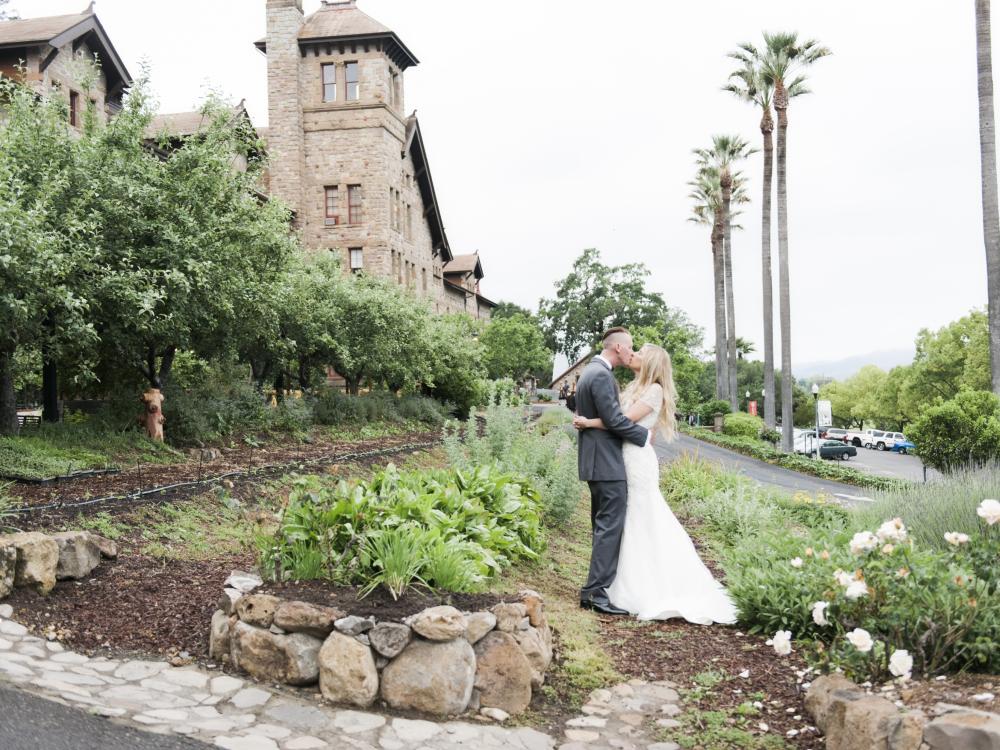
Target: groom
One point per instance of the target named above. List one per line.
(602, 465)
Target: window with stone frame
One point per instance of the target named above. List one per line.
(351, 71)
(332, 211)
(329, 82)
(409, 221)
(394, 89)
(356, 259)
(353, 204)
(74, 108)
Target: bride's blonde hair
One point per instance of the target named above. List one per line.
(657, 368)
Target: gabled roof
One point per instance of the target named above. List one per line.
(181, 124)
(415, 146)
(582, 361)
(57, 31)
(462, 264)
(342, 22)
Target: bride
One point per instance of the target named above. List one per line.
(660, 574)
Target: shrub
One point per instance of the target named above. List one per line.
(770, 436)
(739, 424)
(709, 409)
(212, 409)
(333, 407)
(444, 528)
(960, 432)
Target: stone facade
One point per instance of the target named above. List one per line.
(331, 144)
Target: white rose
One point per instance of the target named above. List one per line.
(856, 589)
(861, 639)
(796, 562)
(989, 511)
(892, 531)
(781, 642)
(819, 613)
(901, 664)
(843, 578)
(863, 541)
(956, 538)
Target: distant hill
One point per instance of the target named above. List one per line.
(844, 368)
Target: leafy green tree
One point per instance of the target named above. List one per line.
(854, 400)
(595, 297)
(964, 430)
(514, 347)
(682, 339)
(954, 358)
(455, 358)
(509, 310)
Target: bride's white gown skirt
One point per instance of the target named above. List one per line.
(660, 574)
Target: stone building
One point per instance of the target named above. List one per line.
(348, 160)
(52, 55)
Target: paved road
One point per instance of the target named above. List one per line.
(761, 472)
(889, 464)
(28, 722)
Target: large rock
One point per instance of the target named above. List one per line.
(537, 648)
(37, 559)
(109, 550)
(79, 554)
(859, 722)
(503, 674)
(219, 636)
(267, 656)
(434, 677)
(347, 671)
(964, 730)
(242, 581)
(479, 624)
(257, 609)
(301, 617)
(354, 625)
(820, 696)
(907, 731)
(8, 564)
(389, 638)
(509, 616)
(442, 623)
(227, 602)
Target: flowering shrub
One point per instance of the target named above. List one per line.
(874, 603)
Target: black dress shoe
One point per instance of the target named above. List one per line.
(606, 608)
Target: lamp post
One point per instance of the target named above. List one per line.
(815, 390)
(748, 401)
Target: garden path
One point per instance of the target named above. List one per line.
(229, 712)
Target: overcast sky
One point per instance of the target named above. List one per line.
(559, 125)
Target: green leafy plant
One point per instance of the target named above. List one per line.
(396, 557)
(709, 409)
(739, 424)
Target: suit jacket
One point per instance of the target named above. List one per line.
(599, 452)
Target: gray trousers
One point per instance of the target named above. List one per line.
(608, 501)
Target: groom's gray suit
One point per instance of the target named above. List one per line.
(602, 466)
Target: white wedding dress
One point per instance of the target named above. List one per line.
(660, 575)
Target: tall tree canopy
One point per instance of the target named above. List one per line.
(514, 347)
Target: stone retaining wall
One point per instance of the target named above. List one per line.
(39, 560)
(439, 661)
(852, 719)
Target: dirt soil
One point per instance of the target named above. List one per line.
(274, 458)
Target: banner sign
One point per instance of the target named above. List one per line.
(752, 408)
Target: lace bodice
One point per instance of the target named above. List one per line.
(652, 396)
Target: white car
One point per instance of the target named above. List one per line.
(881, 440)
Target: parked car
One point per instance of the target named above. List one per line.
(903, 446)
(832, 449)
(835, 433)
(885, 441)
(858, 438)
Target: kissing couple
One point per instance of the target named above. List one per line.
(642, 562)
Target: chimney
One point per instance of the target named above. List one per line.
(284, 101)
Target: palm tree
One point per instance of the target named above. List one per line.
(725, 152)
(708, 209)
(988, 158)
(748, 84)
(779, 63)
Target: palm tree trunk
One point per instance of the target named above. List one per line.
(727, 259)
(721, 371)
(787, 406)
(766, 128)
(987, 155)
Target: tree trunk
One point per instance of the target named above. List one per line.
(353, 385)
(726, 180)
(8, 400)
(166, 365)
(50, 391)
(787, 391)
(766, 128)
(721, 370)
(988, 159)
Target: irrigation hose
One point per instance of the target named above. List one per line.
(80, 503)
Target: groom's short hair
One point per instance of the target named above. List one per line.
(612, 334)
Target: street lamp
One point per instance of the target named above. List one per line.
(748, 401)
(815, 390)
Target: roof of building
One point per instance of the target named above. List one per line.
(451, 286)
(415, 146)
(180, 124)
(465, 264)
(343, 22)
(582, 361)
(57, 31)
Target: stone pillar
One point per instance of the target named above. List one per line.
(285, 140)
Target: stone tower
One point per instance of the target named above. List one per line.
(343, 154)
